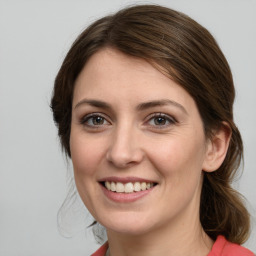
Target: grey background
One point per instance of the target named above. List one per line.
(34, 37)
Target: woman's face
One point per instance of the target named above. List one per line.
(135, 131)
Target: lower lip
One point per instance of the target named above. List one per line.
(125, 197)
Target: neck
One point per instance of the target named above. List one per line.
(178, 243)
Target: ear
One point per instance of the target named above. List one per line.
(216, 148)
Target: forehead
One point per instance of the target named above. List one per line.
(110, 64)
(110, 74)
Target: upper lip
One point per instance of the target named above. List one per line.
(125, 179)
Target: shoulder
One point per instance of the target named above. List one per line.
(101, 251)
(224, 248)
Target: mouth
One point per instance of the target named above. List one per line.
(128, 187)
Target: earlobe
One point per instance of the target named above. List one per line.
(217, 148)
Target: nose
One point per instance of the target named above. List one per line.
(125, 148)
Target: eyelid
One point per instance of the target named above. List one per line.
(169, 118)
(86, 117)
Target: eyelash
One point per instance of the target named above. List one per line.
(166, 118)
(85, 120)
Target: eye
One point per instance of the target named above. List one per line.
(161, 120)
(94, 120)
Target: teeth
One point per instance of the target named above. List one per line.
(108, 185)
(128, 187)
(137, 186)
(113, 186)
(119, 187)
(143, 186)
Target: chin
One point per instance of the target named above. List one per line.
(129, 225)
(129, 230)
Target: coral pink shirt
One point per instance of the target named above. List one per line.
(224, 248)
(220, 248)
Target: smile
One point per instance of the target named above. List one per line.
(129, 187)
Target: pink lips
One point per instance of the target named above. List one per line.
(125, 197)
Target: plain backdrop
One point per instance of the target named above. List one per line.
(34, 38)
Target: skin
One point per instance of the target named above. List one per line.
(132, 141)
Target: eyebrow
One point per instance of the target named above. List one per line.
(158, 103)
(94, 103)
(140, 107)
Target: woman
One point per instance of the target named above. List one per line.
(143, 104)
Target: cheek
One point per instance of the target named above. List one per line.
(178, 157)
(85, 155)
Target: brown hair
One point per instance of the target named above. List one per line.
(189, 54)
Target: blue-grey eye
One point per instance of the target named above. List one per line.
(94, 120)
(160, 120)
(97, 120)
